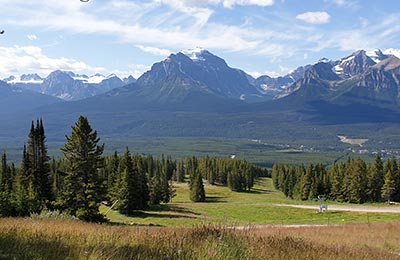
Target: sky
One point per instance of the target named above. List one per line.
(125, 37)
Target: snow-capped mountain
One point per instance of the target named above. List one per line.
(68, 85)
(367, 77)
(195, 71)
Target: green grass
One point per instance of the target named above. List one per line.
(227, 208)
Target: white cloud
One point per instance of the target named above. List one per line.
(163, 33)
(345, 3)
(273, 74)
(31, 59)
(154, 50)
(314, 17)
(263, 3)
(31, 37)
(225, 3)
(136, 70)
(378, 35)
(191, 8)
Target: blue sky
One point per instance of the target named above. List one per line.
(126, 37)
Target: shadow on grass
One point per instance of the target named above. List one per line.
(146, 214)
(169, 207)
(164, 211)
(260, 191)
(215, 199)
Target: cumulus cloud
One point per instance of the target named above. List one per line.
(23, 59)
(314, 17)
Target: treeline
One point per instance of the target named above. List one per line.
(352, 181)
(83, 179)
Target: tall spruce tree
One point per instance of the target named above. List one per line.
(83, 189)
(307, 182)
(376, 180)
(129, 188)
(358, 181)
(197, 193)
(34, 181)
(389, 187)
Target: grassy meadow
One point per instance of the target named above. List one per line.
(227, 208)
(228, 226)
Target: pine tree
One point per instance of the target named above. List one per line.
(358, 182)
(129, 193)
(197, 193)
(307, 182)
(83, 187)
(392, 166)
(6, 200)
(45, 178)
(337, 182)
(6, 179)
(389, 187)
(36, 169)
(375, 180)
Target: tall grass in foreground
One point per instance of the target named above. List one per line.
(60, 239)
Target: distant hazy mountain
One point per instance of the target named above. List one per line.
(13, 99)
(68, 85)
(273, 87)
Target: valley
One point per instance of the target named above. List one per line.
(209, 130)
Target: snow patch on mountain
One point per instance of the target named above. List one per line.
(96, 79)
(338, 69)
(25, 79)
(194, 54)
(375, 55)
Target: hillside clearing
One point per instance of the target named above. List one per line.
(258, 207)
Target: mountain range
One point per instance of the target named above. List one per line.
(67, 85)
(196, 93)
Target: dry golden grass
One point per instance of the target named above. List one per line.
(60, 239)
(354, 238)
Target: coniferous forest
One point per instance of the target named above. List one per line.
(85, 178)
(352, 181)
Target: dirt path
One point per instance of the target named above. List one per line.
(392, 209)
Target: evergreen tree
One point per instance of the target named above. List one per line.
(337, 182)
(197, 193)
(36, 170)
(389, 187)
(6, 198)
(307, 182)
(375, 180)
(6, 179)
(130, 186)
(83, 187)
(392, 166)
(358, 181)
